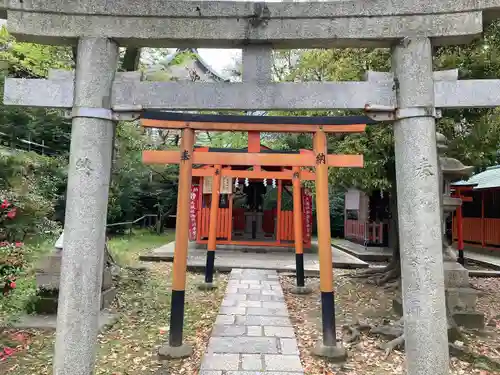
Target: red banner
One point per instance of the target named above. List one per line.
(193, 209)
(308, 214)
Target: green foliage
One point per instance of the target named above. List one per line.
(473, 134)
(137, 189)
(43, 126)
(33, 60)
(33, 184)
(183, 58)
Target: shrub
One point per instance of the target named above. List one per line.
(11, 253)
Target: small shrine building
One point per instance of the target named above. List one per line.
(250, 213)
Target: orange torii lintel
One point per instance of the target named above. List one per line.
(251, 159)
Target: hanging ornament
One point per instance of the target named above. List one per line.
(274, 183)
(236, 182)
(246, 182)
(265, 181)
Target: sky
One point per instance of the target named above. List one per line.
(220, 59)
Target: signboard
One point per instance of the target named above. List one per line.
(352, 199)
(226, 185)
(193, 209)
(308, 214)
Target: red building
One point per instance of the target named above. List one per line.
(477, 222)
(366, 217)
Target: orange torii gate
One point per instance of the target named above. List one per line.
(265, 164)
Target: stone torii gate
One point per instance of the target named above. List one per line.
(97, 97)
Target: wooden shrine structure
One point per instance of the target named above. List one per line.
(477, 222)
(215, 175)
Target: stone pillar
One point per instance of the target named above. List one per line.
(86, 208)
(419, 210)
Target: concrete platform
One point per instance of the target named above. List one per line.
(484, 259)
(369, 254)
(484, 273)
(48, 322)
(226, 260)
(381, 254)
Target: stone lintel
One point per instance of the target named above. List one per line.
(194, 28)
(230, 9)
(248, 96)
(63, 75)
(439, 75)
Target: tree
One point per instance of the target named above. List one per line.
(474, 135)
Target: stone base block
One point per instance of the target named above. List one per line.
(49, 280)
(397, 306)
(301, 290)
(455, 275)
(207, 286)
(467, 319)
(462, 299)
(472, 320)
(171, 352)
(49, 322)
(46, 304)
(333, 353)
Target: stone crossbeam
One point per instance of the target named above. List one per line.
(154, 23)
(131, 93)
(240, 9)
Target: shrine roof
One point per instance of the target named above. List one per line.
(488, 179)
(252, 119)
(263, 150)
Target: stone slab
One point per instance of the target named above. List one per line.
(256, 342)
(48, 322)
(226, 260)
(313, 31)
(247, 345)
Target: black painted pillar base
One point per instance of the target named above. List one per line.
(209, 268)
(176, 318)
(175, 347)
(301, 287)
(327, 347)
(299, 266)
(328, 318)
(461, 258)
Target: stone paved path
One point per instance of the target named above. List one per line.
(252, 334)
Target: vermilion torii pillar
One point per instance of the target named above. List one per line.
(212, 231)
(328, 346)
(176, 348)
(300, 288)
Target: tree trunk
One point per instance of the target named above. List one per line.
(131, 59)
(394, 228)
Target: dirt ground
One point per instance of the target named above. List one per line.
(143, 306)
(357, 301)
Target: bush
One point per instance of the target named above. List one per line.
(12, 259)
